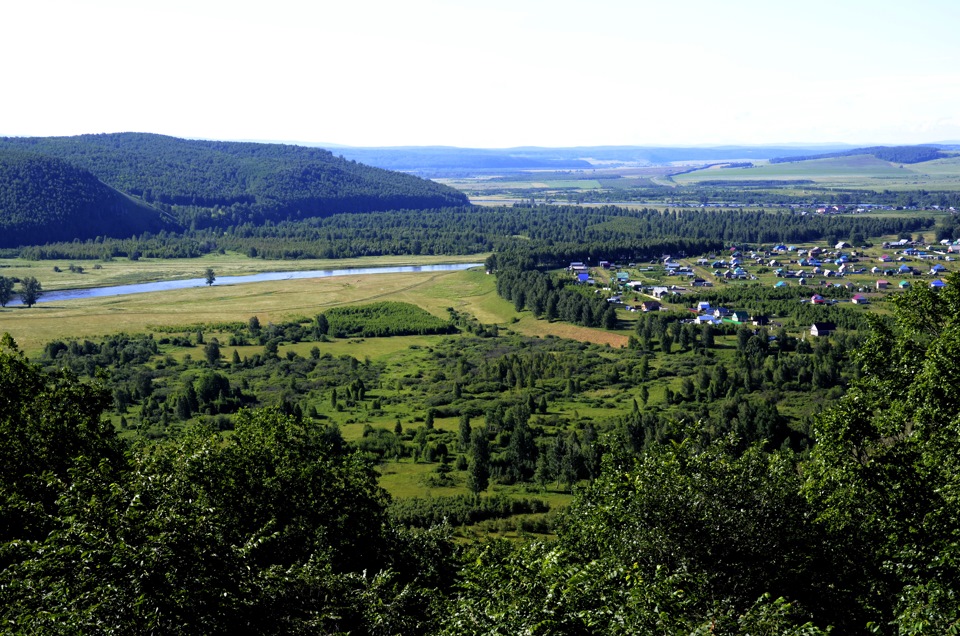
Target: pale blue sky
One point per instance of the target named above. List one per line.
(490, 73)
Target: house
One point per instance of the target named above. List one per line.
(904, 284)
(860, 299)
(703, 307)
(650, 305)
(583, 278)
(937, 268)
(884, 259)
(883, 284)
(706, 319)
(721, 312)
(761, 321)
(781, 283)
(660, 292)
(817, 299)
(740, 316)
(819, 329)
(937, 284)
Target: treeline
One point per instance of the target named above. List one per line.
(747, 193)
(427, 512)
(551, 236)
(894, 154)
(552, 299)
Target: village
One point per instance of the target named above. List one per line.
(866, 274)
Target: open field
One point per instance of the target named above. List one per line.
(471, 291)
(852, 172)
(863, 172)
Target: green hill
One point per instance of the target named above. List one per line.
(43, 199)
(893, 154)
(212, 183)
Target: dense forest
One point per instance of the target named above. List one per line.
(216, 184)
(47, 200)
(694, 524)
(547, 235)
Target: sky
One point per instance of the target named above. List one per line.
(485, 73)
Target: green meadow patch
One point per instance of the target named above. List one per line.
(384, 319)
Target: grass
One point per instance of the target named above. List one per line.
(862, 171)
(276, 301)
(126, 272)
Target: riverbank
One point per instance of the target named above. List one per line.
(125, 272)
(263, 277)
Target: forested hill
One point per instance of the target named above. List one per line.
(44, 200)
(894, 154)
(213, 183)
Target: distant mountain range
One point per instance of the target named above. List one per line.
(439, 161)
(62, 188)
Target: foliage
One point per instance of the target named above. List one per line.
(271, 530)
(420, 512)
(383, 319)
(884, 471)
(6, 290)
(685, 541)
(50, 425)
(30, 291)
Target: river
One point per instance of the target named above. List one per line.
(167, 285)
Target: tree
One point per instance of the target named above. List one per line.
(323, 325)
(465, 431)
(30, 291)
(478, 475)
(212, 353)
(885, 470)
(682, 540)
(275, 529)
(209, 276)
(6, 290)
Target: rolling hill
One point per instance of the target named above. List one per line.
(43, 199)
(218, 184)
